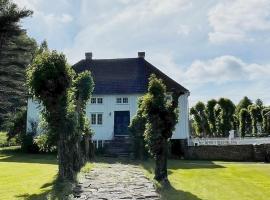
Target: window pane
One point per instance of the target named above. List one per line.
(93, 119)
(118, 100)
(99, 116)
(100, 100)
(93, 100)
(125, 100)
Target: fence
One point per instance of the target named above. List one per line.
(227, 141)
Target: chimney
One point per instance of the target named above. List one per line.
(141, 54)
(88, 55)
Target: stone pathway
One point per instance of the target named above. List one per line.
(115, 181)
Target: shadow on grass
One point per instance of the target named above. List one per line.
(15, 155)
(55, 190)
(170, 193)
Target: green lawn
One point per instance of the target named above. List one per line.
(196, 180)
(28, 176)
(25, 176)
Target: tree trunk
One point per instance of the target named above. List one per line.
(87, 146)
(65, 163)
(161, 163)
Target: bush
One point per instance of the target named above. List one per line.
(44, 144)
(27, 139)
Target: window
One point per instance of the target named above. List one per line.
(93, 100)
(99, 119)
(125, 100)
(118, 100)
(93, 119)
(96, 118)
(99, 100)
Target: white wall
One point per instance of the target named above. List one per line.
(105, 131)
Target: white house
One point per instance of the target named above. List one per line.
(118, 85)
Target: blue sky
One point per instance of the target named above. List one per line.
(215, 48)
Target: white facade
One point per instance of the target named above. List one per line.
(106, 109)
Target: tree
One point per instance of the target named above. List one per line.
(244, 119)
(266, 120)
(136, 129)
(225, 116)
(160, 119)
(10, 16)
(244, 103)
(255, 115)
(201, 122)
(83, 87)
(259, 103)
(63, 95)
(15, 57)
(210, 111)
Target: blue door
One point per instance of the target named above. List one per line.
(121, 123)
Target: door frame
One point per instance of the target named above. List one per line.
(115, 135)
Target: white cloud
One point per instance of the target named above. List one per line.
(224, 76)
(237, 20)
(183, 30)
(225, 69)
(118, 29)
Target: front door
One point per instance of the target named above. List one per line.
(121, 122)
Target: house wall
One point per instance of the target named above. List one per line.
(107, 108)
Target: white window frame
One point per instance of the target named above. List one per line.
(123, 100)
(96, 119)
(99, 98)
(118, 98)
(93, 100)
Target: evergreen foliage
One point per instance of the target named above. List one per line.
(10, 16)
(15, 56)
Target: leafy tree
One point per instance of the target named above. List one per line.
(225, 116)
(244, 119)
(136, 129)
(63, 95)
(259, 103)
(160, 117)
(244, 103)
(83, 87)
(266, 120)
(210, 111)
(255, 114)
(10, 16)
(201, 122)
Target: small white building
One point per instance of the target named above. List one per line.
(118, 85)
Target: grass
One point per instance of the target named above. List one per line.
(33, 176)
(205, 180)
(26, 176)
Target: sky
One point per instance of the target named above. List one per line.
(214, 48)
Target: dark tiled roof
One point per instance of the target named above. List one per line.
(123, 76)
